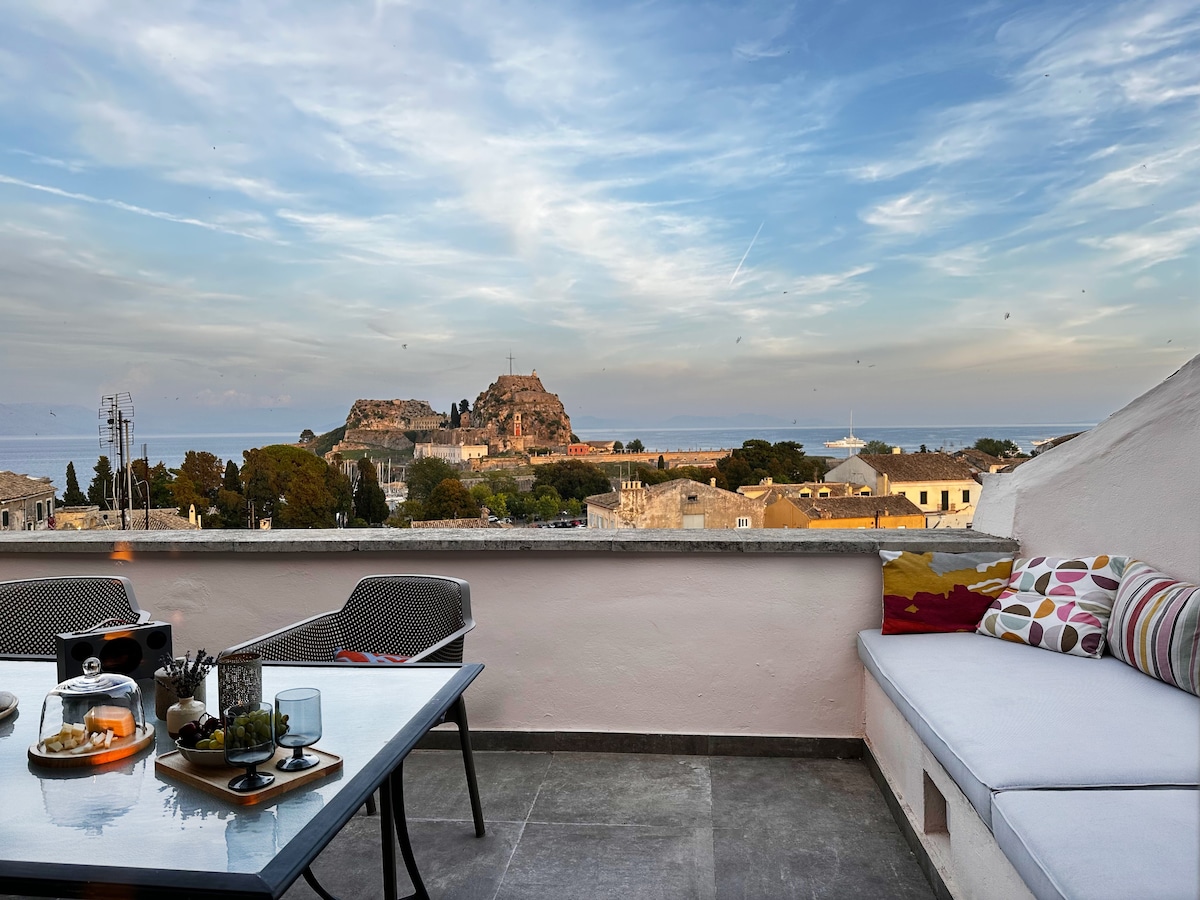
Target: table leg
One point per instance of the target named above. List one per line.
(387, 832)
(396, 787)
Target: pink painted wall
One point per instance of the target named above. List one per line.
(1129, 486)
(708, 643)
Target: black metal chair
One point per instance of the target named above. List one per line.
(34, 610)
(421, 617)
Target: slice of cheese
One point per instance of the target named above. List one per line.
(116, 719)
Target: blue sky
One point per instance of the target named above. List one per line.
(965, 213)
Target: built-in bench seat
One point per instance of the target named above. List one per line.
(1032, 738)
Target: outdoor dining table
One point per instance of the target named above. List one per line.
(124, 830)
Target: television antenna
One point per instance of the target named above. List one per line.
(116, 431)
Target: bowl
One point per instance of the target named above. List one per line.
(209, 759)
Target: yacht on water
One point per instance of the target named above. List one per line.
(849, 443)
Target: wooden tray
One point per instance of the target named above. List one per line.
(121, 748)
(215, 780)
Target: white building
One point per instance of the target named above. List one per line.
(451, 453)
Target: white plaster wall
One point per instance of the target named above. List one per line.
(707, 643)
(1129, 486)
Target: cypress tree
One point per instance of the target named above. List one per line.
(370, 503)
(97, 494)
(73, 496)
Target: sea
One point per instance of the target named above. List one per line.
(47, 456)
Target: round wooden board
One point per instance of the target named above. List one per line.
(121, 748)
(11, 707)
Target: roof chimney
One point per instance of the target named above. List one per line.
(896, 451)
(712, 482)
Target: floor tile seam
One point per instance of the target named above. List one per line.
(452, 821)
(508, 862)
(691, 827)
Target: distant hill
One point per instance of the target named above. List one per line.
(28, 419)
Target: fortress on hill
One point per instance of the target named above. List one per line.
(515, 413)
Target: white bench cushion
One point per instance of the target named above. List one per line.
(1000, 716)
(1102, 845)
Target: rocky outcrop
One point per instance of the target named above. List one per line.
(381, 424)
(517, 412)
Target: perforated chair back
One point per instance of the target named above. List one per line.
(404, 615)
(409, 613)
(34, 610)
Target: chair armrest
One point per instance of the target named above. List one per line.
(309, 640)
(442, 651)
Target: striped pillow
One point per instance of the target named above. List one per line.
(1155, 626)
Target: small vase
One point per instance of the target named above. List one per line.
(188, 709)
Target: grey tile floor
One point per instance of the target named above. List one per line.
(598, 826)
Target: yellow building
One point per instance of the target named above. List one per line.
(943, 487)
(843, 512)
(770, 491)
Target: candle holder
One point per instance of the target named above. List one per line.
(239, 679)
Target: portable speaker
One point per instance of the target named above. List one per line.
(132, 650)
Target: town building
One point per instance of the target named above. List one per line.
(943, 487)
(843, 512)
(451, 453)
(769, 491)
(681, 503)
(92, 518)
(26, 504)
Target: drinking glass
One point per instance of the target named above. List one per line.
(249, 741)
(298, 725)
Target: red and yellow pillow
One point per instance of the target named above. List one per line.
(940, 592)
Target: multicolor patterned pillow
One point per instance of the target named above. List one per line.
(358, 656)
(940, 592)
(1057, 604)
(1155, 626)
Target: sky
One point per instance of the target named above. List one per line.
(927, 213)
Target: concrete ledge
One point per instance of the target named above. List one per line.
(505, 540)
(669, 744)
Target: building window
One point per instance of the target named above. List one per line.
(823, 493)
(966, 496)
(945, 500)
(40, 510)
(743, 522)
(924, 498)
(4, 519)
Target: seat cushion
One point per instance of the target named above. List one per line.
(1000, 716)
(1102, 845)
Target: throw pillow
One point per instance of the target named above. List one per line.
(1057, 604)
(1155, 626)
(358, 656)
(940, 592)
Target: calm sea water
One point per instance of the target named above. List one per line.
(910, 439)
(48, 456)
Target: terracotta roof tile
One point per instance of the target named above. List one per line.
(918, 466)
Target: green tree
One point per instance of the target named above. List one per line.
(73, 496)
(307, 503)
(97, 494)
(450, 500)
(464, 406)
(307, 436)
(426, 474)
(233, 479)
(635, 446)
(1001, 449)
(573, 478)
(547, 504)
(877, 446)
(455, 417)
(231, 509)
(784, 462)
(662, 463)
(618, 446)
(205, 472)
(186, 496)
(269, 473)
(923, 449)
(370, 503)
(159, 478)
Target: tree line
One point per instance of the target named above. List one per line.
(290, 486)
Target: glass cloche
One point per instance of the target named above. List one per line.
(92, 718)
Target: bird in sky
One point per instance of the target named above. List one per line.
(404, 346)
(738, 341)
(1006, 315)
